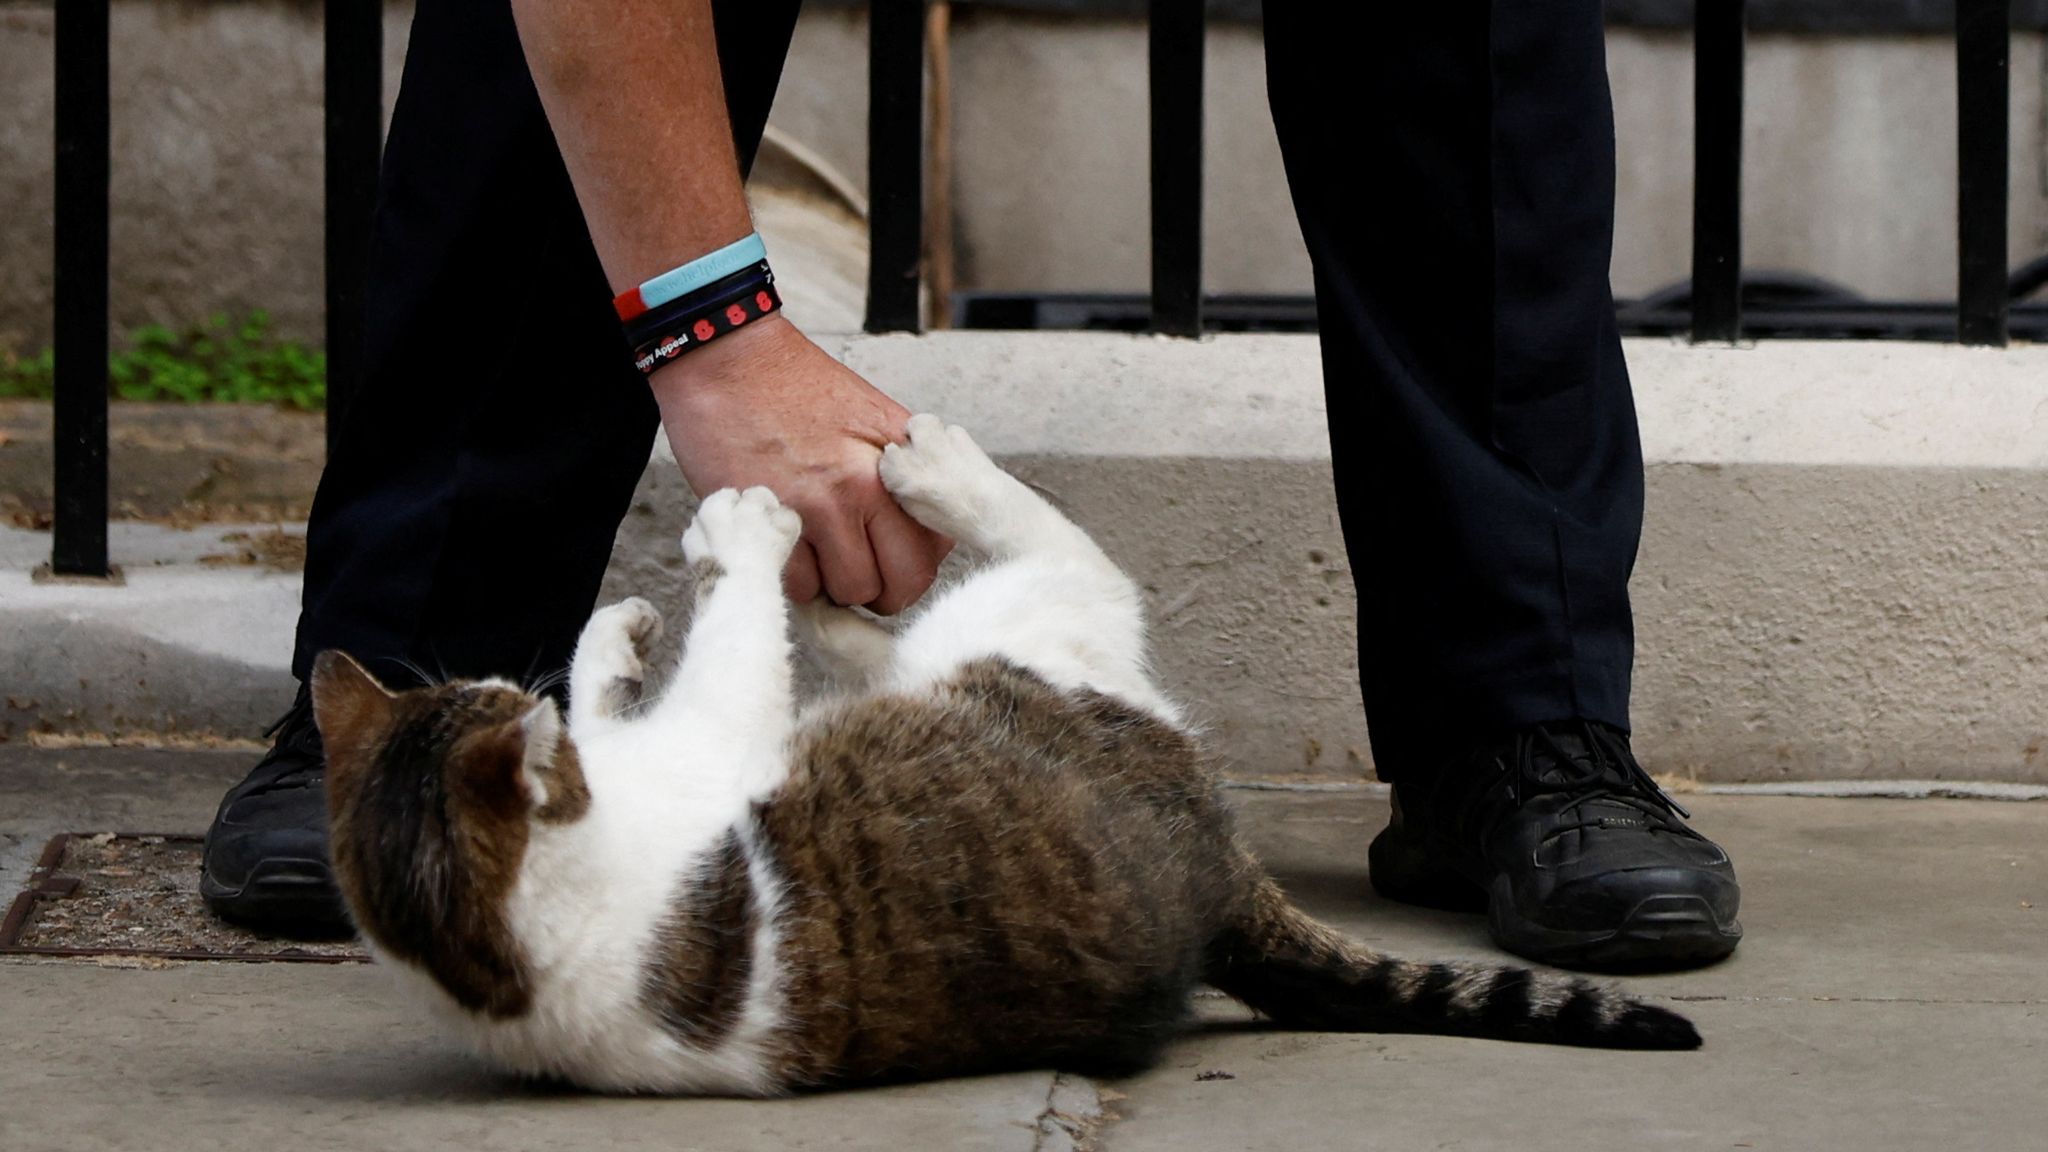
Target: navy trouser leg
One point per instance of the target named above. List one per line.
(466, 517)
(1452, 166)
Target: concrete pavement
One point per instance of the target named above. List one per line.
(1892, 994)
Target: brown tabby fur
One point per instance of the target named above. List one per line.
(1001, 872)
(698, 983)
(435, 774)
(993, 874)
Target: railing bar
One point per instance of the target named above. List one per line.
(939, 263)
(895, 163)
(1175, 52)
(354, 123)
(79, 531)
(1717, 170)
(1983, 114)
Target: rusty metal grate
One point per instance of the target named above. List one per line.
(133, 894)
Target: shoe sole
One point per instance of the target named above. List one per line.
(1659, 934)
(282, 896)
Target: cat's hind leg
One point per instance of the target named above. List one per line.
(607, 673)
(948, 484)
(1051, 601)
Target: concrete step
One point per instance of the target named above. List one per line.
(1844, 573)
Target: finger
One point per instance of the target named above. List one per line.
(846, 564)
(800, 580)
(899, 426)
(941, 546)
(907, 554)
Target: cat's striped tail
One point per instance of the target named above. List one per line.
(1302, 975)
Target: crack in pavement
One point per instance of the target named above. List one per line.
(1073, 1115)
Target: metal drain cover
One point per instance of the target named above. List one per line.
(126, 894)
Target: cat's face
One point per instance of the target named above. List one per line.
(433, 796)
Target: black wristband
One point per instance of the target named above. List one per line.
(661, 317)
(744, 299)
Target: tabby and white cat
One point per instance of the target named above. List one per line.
(1001, 846)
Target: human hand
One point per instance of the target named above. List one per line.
(765, 406)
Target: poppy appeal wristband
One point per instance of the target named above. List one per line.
(661, 335)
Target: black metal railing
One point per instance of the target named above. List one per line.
(78, 535)
(354, 140)
(1983, 112)
(895, 163)
(1720, 303)
(1723, 303)
(1175, 61)
(1717, 170)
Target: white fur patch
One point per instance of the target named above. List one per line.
(670, 781)
(542, 727)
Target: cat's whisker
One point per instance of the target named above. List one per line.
(412, 666)
(547, 683)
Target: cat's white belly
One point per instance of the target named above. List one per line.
(590, 1028)
(626, 1050)
(586, 909)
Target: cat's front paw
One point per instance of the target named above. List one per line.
(742, 531)
(942, 477)
(631, 627)
(610, 664)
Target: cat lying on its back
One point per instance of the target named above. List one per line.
(1003, 848)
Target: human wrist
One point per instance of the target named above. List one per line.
(732, 366)
(686, 308)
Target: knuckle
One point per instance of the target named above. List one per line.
(800, 575)
(853, 590)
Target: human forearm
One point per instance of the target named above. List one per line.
(634, 94)
(633, 91)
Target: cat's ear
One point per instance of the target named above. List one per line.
(549, 769)
(352, 710)
(540, 731)
(515, 761)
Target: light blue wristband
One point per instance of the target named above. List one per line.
(705, 270)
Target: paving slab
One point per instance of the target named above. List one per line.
(253, 1056)
(44, 791)
(1880, 899)
(1892, 994)
(279, 1057)
(1798, 1075)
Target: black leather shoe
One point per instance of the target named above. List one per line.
(265, 865)
(1575, 854)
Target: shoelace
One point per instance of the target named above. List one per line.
(1607, 771)
(1539, 763)
(296, 750)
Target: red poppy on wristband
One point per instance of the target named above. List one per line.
(658, 338)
